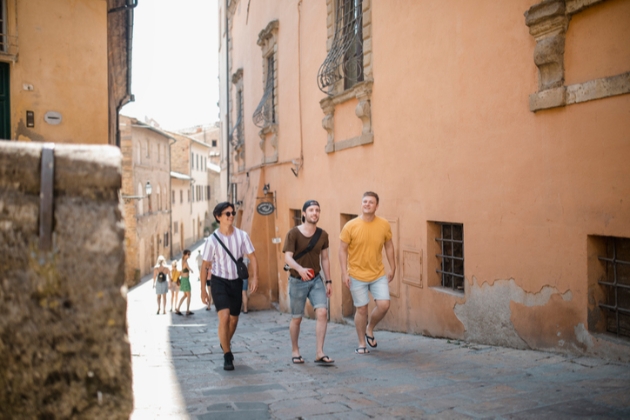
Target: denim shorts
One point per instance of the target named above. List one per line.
(245, 284)
(359, 290)
(300, 290)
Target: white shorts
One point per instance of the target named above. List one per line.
(359, 289)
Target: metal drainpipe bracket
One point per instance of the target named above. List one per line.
(46, 203)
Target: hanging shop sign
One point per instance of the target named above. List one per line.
(265, 208)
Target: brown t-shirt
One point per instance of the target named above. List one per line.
(296, 242)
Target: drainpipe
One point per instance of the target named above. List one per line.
(227, 99)
(131, 4)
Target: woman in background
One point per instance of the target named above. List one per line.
(185, 282)
(161, 275)
(174, 286)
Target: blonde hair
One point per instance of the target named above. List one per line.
(161, 261)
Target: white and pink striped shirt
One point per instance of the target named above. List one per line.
(239, 245)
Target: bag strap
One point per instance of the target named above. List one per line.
(224, 247)
(311, 244)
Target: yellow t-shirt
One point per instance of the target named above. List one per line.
(365, 247)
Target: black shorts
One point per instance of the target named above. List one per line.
(227, 294)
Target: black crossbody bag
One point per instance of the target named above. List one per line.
(309, 247)
(241, 268)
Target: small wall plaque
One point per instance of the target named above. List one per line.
(52, 118)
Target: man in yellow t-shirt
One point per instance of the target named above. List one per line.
(362, 269)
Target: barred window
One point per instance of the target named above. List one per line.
(265, 113)
(616, 285)
(345, 58)
(296, 217)
(451, 258)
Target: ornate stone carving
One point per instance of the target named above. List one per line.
(362, 92)
(548, 22)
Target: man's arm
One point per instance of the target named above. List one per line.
(206, 266)
(391, 259)
(326, 268)
(253, 272)
(343, 261)
(288, 258)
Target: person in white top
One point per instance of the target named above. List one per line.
(226, 286)
(199, 259)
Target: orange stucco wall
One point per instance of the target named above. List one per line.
(54, 39)
(454, 141)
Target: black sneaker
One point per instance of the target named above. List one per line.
(227, 361)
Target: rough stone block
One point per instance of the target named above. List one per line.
(63, 334)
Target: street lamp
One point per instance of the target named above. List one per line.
(148, 188)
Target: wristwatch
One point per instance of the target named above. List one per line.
(328, 281)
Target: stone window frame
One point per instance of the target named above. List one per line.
(268, 43)
(548, 22)
(362, 91)
(238, 106)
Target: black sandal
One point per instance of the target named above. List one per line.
(298, 360)
(325, 360)
(361, 350)
(369, 340)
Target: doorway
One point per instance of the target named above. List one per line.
(347, 305)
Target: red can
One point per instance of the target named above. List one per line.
(311, 273)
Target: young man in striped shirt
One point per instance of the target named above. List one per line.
(226, 285)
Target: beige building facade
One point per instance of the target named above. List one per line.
(496, 133)
(146, 193)
(193, 189)
(64, 79)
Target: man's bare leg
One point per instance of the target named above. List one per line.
(233, 324)
(224, 330)
(320, 330)
(360, 323)
(294, 330)
(378, 313)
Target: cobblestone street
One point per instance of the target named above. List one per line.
(178, 374)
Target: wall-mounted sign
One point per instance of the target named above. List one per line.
(52, 118)
(265, 208)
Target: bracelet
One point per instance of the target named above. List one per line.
(328, 281)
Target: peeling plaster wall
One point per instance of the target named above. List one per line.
(489, 312)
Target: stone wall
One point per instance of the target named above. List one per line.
(63, 334)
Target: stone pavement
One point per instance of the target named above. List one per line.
(178, 374)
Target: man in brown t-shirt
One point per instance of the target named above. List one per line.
(305, 280)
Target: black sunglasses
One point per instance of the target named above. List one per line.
(228, 214)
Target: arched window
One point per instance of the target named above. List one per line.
(159, 198)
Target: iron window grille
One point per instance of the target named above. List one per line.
(296, 216)
(265, 113)
(451, 258)
(236, 133)
(345, 58)
(616, 285)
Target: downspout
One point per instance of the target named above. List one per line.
(227, 99)
(131, 4)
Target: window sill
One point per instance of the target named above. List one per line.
(446, 291)
(362, 91)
